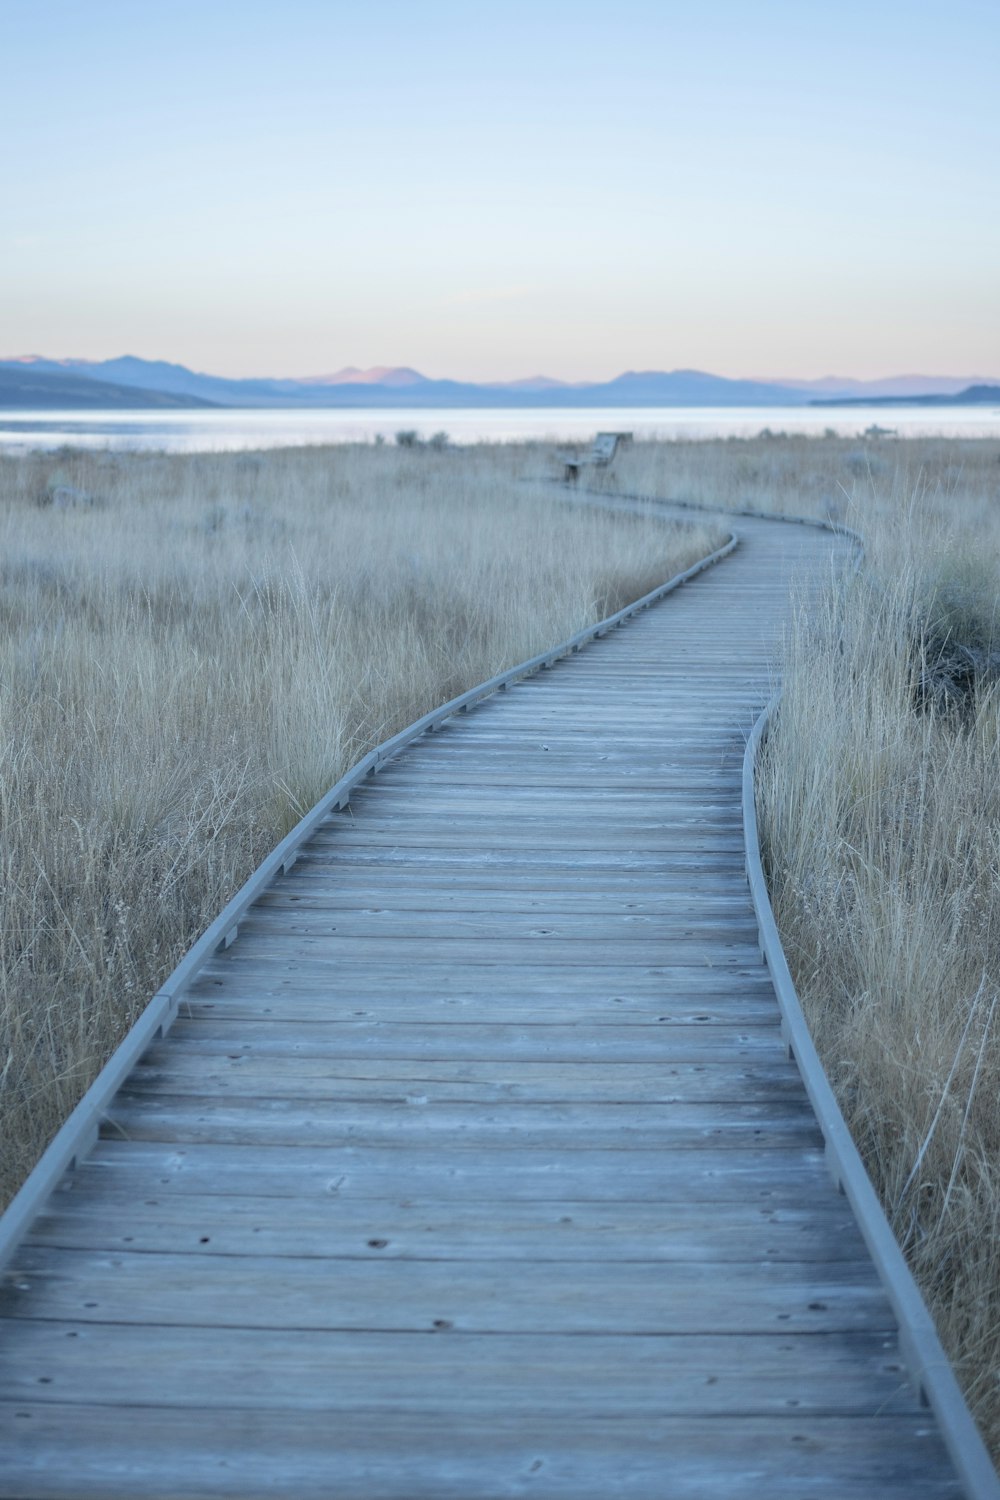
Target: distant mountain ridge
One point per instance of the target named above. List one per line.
(377, 375)
(35, 380)
(973, 395)
(896, 386)
(23, 386)
(405, 387)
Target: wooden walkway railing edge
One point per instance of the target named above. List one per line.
(79, 1134)
(920, 1347)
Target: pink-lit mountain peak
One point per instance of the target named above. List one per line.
(42, 359)
(399, 375)
(534, 383)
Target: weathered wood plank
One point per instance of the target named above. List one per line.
(550, 1230)
(466, 1296)
(163, 1113)
(313, 893)
(721, 868)
(775, 1178)
(90, 1453)
(629, 863)
(483, 1082)
(508, 926)
(331, 1006)
(691, 832)
(582, 756)
(561, 953)
(694, 784)
(226, 1369)
(697, 972)
(236, 970)
(479, 1041)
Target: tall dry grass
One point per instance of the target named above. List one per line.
(880, 803)
(828, 478)
(188, 662)
(879, 798)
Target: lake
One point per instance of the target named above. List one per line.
(229, 429)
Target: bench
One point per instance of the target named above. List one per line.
(604, 448)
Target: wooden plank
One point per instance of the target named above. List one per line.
(313, 894)
(507, 926)
(549, 801)
(226, 1369)
(234, 974)
(500, 813)
(650, 776)
(554, 803)
(552, 754)
(330, 1007)
(466, 1296)
(722, 868)
(575, 888)
(478, 1041)
(553, 798)
(550, 1230)
(650, 839)
(164, 1113)
(666, 974)
(483, 1082)
(91, 1452)
(538, 945)
(778, 1179)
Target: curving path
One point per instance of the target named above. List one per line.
(476, 1167)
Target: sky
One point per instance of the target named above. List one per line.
(489, 191)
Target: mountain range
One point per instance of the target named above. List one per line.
(33, 381)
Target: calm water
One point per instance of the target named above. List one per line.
(222, 430)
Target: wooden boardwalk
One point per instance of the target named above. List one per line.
(476, 1167)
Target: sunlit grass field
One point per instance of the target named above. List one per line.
(880, 805)
(193, 649)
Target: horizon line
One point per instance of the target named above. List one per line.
(570, 384)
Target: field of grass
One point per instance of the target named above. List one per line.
(880, 808)
(188, 662)
(828, 478)
(881, 805)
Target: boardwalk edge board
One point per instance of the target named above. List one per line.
(919, 1344)
(79, 1134)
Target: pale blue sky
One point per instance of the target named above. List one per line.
(560, 186)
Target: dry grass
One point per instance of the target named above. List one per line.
(881, 809)
(189, 662)
(880, 803)
(827, 478)
(188, 666)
